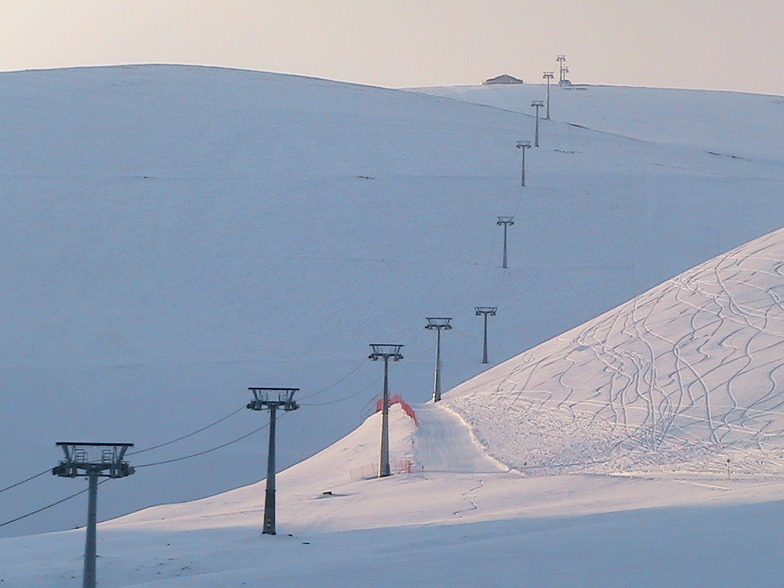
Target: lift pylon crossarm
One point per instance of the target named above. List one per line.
(78, 460)
(438, 322)
(266, 398)
(265, 405)
(72, 470)
(386, 350)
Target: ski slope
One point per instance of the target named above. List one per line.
(684, 377)
(457, 519)
(173, 235)
(444, 443)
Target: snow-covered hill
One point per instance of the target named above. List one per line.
(685, 377)
(457, 520)
(173, 235)
(725, 124)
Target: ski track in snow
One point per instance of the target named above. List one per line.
(681, 378)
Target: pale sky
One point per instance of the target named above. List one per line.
(703, 44)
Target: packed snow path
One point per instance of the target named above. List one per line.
(444, 444)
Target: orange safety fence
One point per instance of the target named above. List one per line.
(397, 465)
(397, 399)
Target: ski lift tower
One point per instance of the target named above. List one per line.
(438, 323)
(548, 75)
(523, 145)
(92, 460)
(563, 69)
(505, 221)
(537, 104)
(386, 352)
(271, 399)
(485, 311)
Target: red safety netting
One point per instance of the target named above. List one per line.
(397, 399)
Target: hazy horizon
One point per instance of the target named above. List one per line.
(699, 44)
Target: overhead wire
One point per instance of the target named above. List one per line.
(253, 432)
(48, 506)
(198, 453)
(38, 475)
(341, 380)
(196, 432)
(335, 401)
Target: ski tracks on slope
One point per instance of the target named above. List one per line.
(688, 371)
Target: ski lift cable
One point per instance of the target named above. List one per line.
(191, 434)
(341, 380)
(354, 395)
(48, 506)
(205, 451)
(38, 475)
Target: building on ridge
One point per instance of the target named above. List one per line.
(502, 79)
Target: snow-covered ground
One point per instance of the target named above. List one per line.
(458, 519)
(724, 124)
(684, 377)
(173, 235)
